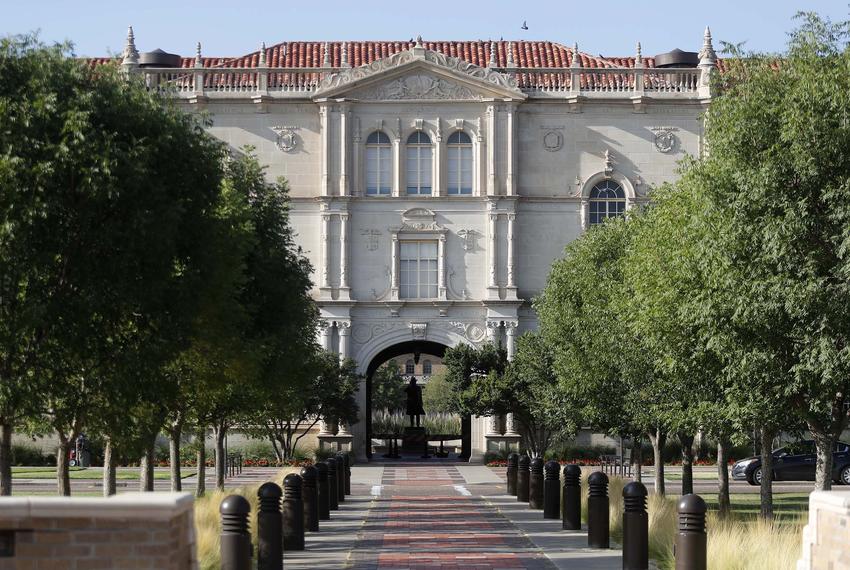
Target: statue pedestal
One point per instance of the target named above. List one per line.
(414, 440)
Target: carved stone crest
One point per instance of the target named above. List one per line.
(553, 141)
(372, 236)
(665, 139)
(287, 139)
(468, 237)
(419, 86)
(419, 330)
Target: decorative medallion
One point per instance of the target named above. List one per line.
(468, 237)
(372, 241)
(553, 141)
(287, 140)
(665, 139)
(361, 333)
(418, 330)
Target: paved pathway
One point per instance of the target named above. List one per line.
(440, 515)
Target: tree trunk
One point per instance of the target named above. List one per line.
(687, 442)
(767, 436)
(637, 460)
(5, 459)
(824, 444)
(723, 502)
(174, 455)
(658, 439)
(63, 475)
(201, 440)
(146, 468)
(220, 459)
(109, 486)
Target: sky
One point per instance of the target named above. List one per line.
(232, 28)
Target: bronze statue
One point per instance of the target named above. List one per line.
(414, 401)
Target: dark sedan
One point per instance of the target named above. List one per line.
(795, 462)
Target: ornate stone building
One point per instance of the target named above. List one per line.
(434, 183)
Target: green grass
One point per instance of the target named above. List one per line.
(94, 473)
(746, 506)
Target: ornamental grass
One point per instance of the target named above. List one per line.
(736, 543)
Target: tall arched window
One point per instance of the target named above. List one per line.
(409, 367)
(607, 200)
(419, 154)
(459, 149)
(379, 165)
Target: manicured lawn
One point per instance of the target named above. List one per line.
(123, 473)
(745, 506)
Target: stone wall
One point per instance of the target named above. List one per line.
(134, 530)
(826, 537)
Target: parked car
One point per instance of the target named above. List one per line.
(795, 462)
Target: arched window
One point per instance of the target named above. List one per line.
(426, 367)
(409, 367)
(419, 153)
(607, 200)
(459, 149)
(379, 165)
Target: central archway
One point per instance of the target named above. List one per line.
(407, 347)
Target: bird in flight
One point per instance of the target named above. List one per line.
(524, 26)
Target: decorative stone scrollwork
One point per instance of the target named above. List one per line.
(468, 237)
(419, 330)
(372, 239)
(553, 141)
(473, 332)
(420, 86)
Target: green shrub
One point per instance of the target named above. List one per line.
(29, 455)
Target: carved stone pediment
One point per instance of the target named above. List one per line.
(419, 86)
(418, 220)
(419, 73)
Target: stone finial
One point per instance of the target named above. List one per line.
(492, 54)
(638, 55)
(131, 54)
(609, 163)
(199, 62)
(262, 62)
(511, 55)
(576, 58)
(419, 41)
(326, 62)
(344, 56)
(706, 54)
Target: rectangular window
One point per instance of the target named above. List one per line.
(460, 171)
(418, 270)
(378, 171)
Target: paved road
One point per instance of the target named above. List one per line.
(441, 515)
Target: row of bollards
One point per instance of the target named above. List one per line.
(537, 484)
(306, 499)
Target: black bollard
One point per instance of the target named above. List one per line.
(597, 511)
(513, 460)
(635, 527)
(235, 538)
(322, 491)
(535, 484)
(571, 507)
(309, 496)
(346, 462)
(522, 475)
(551, 490)
(293, 513)
(333, 484)
(269, 528)
(340, 478)
(692, 541)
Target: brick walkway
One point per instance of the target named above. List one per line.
(426, 518)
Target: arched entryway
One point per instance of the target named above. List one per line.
(423, 347)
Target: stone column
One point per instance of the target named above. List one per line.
(511, 279)
(585, 211)
(325, 268)
(492, 425)
(355, 186)
(343, 251)
(394, 267)
(324, 126)
(397, 179)
(491, 149)
(343, 428)
(511, 158)
(493, 332)
(441, 266)
(325, 334)
(510, 334)
(510, 424)
(493, 217)
(344, 330)
(437, 167)
(344, 111)
(324, 427)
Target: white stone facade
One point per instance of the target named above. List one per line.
(536, 155)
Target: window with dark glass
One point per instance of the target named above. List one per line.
(419, 156)
(607, 200)
(379, 165)
(459, 172)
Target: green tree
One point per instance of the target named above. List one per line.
(388, 388)
(437, 395)
(102, 221)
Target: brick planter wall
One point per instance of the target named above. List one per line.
(134, 530)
